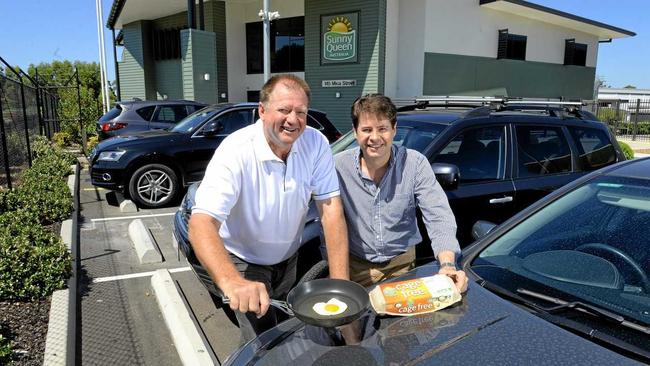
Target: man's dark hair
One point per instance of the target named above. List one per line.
(289, 80)
(374, 104)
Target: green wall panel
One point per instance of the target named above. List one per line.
(446, 74)
(169, 80)
(368, 71)
(136, 68)
(198, 52)
(215, 21)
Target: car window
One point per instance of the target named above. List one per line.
(114, 112)
(231, 121)
(191, 108)
(170, 113)
(479, 154)
(194, 120)
(595, 148)
(590, 243)
(312, 122)
(416, 138)
(542, 150)
(146, 112)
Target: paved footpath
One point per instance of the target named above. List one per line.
(121, 323)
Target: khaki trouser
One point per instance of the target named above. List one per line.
(368, 273)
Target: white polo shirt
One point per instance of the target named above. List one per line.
(260, 201)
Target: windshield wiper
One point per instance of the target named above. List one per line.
(583, 307)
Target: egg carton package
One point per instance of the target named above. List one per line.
(416, 296)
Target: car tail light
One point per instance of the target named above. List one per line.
(112, 126)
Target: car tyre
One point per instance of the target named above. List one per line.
(153, 186)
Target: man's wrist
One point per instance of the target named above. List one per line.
(448, 264)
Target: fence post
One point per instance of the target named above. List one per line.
(617, 115)
(82, 129)
(5, 154)
(22, 100)
(39, 112)
(636, 118)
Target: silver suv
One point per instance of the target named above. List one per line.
(142, 115)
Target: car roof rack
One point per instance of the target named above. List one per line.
(484, 106)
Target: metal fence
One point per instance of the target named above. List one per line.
(628, 119)
(26, 111)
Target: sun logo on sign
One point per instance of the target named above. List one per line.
(339, 24)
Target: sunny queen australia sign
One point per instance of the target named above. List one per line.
(340, 35)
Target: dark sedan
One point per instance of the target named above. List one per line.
(153, 166)
(563, 282)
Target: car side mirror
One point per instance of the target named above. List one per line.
(212, 129)
(481, 228)
(448, 175)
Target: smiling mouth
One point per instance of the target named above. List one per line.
(289, 130)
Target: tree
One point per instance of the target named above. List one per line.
(60, 73)
(629, 87)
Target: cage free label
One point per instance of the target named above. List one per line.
(339, 38)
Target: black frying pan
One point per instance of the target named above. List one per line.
(301, 300)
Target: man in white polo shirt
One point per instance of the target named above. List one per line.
(250, 208)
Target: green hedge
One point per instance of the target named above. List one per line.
(627, 150)
(33, 261)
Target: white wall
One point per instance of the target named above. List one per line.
(237, 15)
(465, 28)
(462, 27)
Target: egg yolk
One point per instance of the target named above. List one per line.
(331, 308)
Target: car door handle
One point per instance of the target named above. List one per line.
(501, 200)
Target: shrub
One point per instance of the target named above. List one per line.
(40, 146)
(33, 261)
(62, 139)
(92, 141)
(49, 199)
(5, 345)
(627, 150)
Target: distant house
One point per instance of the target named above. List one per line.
(345, 48)
(634, 102)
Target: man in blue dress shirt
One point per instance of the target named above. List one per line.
(381, 186)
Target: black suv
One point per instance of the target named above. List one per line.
(141, 115)
(495, 160)
(152, 166)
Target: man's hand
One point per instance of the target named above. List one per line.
(459, 277)
(246, 295)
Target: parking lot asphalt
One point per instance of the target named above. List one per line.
(121, 321)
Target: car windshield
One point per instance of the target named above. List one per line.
(194, 120)
(417, 137)
(591, 245)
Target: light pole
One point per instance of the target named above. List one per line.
(267, 16)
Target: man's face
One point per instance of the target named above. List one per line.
(375, 136)
(284, 116)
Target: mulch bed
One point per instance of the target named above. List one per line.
(27, 322)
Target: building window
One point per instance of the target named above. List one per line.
(166, 44)
(511, 46)
(287, 46)
(575, 53)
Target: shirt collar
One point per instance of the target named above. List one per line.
(357, 159)
(262, 148)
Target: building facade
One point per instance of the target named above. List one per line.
(345, 48)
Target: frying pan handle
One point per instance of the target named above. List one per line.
(281, 305)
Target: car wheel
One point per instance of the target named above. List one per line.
(153, 185)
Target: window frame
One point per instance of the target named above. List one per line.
(199, 131)
(505, 45)
(570, 55)
(283, 23)
(564, 133)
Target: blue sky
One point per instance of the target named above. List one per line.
(33, 31)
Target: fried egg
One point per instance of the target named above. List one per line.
(332, 307)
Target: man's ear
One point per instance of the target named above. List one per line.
(260, 109)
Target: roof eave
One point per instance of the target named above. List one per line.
(554, 16)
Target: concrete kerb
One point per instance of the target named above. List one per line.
(143, 243)
(191, 348)
(126, 206)
(57, 338)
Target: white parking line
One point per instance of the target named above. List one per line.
(138, 275)
(132, 217)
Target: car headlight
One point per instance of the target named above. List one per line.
(110, 155)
